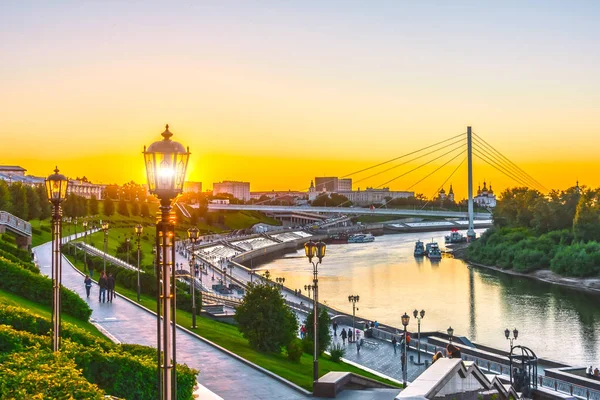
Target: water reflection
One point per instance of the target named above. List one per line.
(476, 302)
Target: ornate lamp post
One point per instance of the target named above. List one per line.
(313, 249)
(75, 224)
(105, 230)
(56, 190)
(166, 163)
(127, 241)
(515, 333)
(280, 281)
(405, 319)
(193, 234)
(450, 332)
(419, 317)
(353, 299)
(139, 229)
(84, 224)
(308, 288)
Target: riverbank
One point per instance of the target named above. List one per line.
(589, 285)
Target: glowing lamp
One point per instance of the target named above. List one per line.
(321, 247)
(405, 319)
(193, 234)
(139, 229)
(56, 187)
(310, 248)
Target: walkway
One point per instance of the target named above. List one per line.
(220, 373)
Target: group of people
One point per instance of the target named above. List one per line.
(106, 284)
(593, 372)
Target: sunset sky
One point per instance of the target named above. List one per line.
(276, 93)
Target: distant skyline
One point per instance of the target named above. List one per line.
(278, 93)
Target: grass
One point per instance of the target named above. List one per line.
(229, 337)
(12, 299)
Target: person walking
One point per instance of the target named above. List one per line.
(88, 285)
(103, 283)
(395, 344)
(343, 335)
(303, 332)
(335, 328)
(349, 335)
(110, 287)
(358, 347)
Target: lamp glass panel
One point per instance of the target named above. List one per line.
(321, 247)
(150, 171)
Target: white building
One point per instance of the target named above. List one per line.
(239, 190)
(85, 189)
(374, 196)
(485, 197)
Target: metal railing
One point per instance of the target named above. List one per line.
(112, 259)
(15, 223)
(571, 389)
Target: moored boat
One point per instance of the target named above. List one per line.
(419, 249)
(434, 252)
(340, 238)
(361, 238)
(455, 237)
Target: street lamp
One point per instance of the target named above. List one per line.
(353, 299)
(75, 223)
(105, 230)
(139, 229)
(419, 317)
(56, 190)
(166, 163)
(280, 281)
(84, 224)
(308, 288)
(193, 234)
(405, 319)
(127, 241)
(450, 332)
(515, 333)
(313, 249)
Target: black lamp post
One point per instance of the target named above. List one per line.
(84, 225)
(515, 333)
(353, 299)
(105, 230)
(313, 249)
(193, 234)
(127, 241)
(450, 332)
(166, 163)
(56, 190)
(405, 320)
(139, 229)
(419, 317)
(75, 224)
(308, 288)
(280, 281)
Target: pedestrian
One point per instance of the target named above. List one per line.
(88, 285)
(376, 324)
(453, 351)
(589, 371)
(343, 335)
(335, 328)
(596, 372)
(103, 283)
(349, 335)
(437, 356)
(110, 287)
(358, 347)
(303, 332)
(394, 344)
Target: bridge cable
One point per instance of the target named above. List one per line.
(442, 185)
(499, 167)
(492, 164)
(510, 162)
(436, 170)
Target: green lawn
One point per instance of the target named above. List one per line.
(229, 337)
(45, 311)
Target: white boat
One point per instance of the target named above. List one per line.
(434, 252)
(361, 238)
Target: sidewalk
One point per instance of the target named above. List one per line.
(219, 372)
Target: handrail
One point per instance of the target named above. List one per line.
(572, 389)
(16, 223)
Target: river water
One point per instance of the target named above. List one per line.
(555, 322)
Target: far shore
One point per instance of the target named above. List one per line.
(590, 285)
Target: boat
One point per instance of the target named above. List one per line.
(455, 237)
(434, 252)
(361, 238)
(419, 249)
(340, 238)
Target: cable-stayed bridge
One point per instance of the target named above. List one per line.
(457, 149)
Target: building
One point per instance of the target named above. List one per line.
(239, 190)
(374, 196)
(12, 170)
(192, 187)
(345, 185)
(450, 196)
(326, 184)
(277, 194)
(85, 189)
(485, 197)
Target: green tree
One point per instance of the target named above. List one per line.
(324, 333)
(144, 210)
(5, 198)
(18, 199)
(123, 209)
(264, 319)
(93, 205)
(135, 208)
(109, 207)
(45, 207)
(34, 204)
(122, 251)
(586, 225)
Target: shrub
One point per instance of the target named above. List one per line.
(307, 345)
(21, 254)
(38, 288)
(28, 265)
(294, 350)
(337, 351)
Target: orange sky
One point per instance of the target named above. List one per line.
(278, 94)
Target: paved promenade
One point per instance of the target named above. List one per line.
(221, 373)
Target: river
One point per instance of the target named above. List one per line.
(555, 322)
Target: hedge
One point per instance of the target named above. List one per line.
(25, 264)
(38, 288)
(22, 255)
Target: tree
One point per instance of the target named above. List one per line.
(34, 204)
(5, 198)
(93, 205)
(109, 207)
(135, 208)
(144, 210)
(324, 334)
(45, 207)
(122, 251)
(264, 319)
(123, 209)
(586, 225)
(18, 199)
